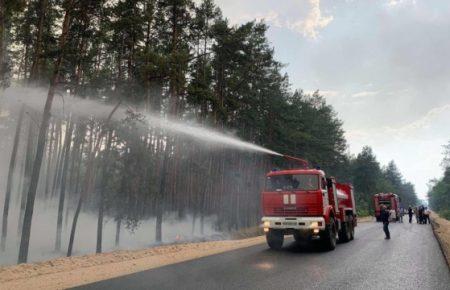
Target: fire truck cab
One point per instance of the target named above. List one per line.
(308, 205)
(390, 200)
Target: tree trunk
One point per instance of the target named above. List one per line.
(49, 161)
(34, 73)
(25, 61)
(74, 226)
(62, 194)
(26, 228)
(80, 199)
(27, 173)
(2, 43)
(102, 193)
(20, 182)
(58, 164)
(202, 223)
(194, 216)
(89, 178)
(77, 179)
(73, 159)
(160, 200)
(118, 225)
(12, 166)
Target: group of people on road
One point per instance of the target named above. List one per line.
(422, 214)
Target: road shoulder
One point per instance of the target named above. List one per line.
(75, 271)
(441, 229)
(79, 270)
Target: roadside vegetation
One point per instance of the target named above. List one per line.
(439, 194)
(171, 58)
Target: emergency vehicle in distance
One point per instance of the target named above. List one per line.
(390, 200)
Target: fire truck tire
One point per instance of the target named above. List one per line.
(344, 233)
(297, 236)
(329, 236)
(352, 232)
(275, 239)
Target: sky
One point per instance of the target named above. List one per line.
(383, 65)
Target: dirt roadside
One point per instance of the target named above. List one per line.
(64, 272)
(441, 228)
(69, 272)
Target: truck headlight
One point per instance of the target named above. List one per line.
(314, 225)
(266, 224)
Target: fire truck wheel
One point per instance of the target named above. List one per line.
(352, 232)
(344, 234)
(275, 239)
(298, 237)
(329, 237)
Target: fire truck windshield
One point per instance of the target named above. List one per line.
(292, 182)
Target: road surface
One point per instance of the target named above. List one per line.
(412, 259)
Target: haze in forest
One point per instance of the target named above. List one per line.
(138, 234)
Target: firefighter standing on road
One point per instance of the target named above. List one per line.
(426, 214)
(421, 216)
(385, 220)
(410, 213)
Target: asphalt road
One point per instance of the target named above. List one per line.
(410, 260)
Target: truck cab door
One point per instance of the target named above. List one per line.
(332, 195)
(325, 200)
(335, 199)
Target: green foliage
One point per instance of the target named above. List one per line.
(439, 194)
(363, 211)
(446, 160)
(445, 213)
(369, 179)
(395, 184)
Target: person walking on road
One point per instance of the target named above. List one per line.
(426, 214)
(392, 215)
(421, 216)
(385, 219)
(410, 213)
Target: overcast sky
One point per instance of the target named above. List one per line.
(384, 66)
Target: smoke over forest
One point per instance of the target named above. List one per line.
(137, 122)
(126, 177)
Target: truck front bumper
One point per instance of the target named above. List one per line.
(296, 223)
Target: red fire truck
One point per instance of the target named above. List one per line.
(391, 200)
(305, 203)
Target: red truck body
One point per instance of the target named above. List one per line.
(390, 200)
(305, 203)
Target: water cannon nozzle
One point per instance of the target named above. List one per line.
(302, 162)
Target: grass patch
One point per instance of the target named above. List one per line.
(445, 214)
